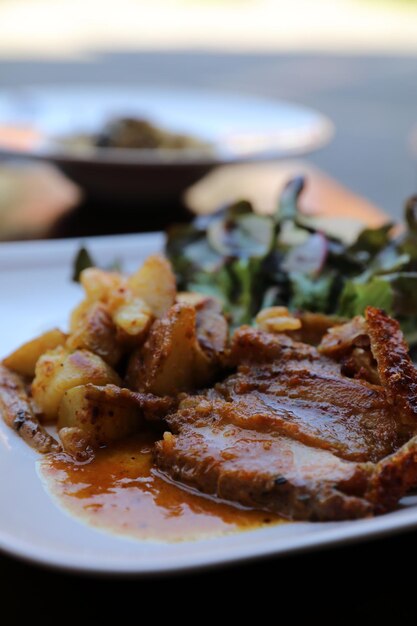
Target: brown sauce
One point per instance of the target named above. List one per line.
(121, 491)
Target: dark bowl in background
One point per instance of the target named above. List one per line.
(151, 182)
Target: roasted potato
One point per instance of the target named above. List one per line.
(23, 360)
(171, 359)
(154, 283)
(134, 302)
(102, 286)
(101, 416)
(96, 331)
(58, 370)
(134, 318)
(91, 416)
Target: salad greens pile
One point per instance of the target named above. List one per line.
(250, 261)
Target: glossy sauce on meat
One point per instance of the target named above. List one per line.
(122, 492)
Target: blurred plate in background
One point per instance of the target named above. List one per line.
(34, 120)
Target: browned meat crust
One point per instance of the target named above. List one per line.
(350, 344)
(18, 414)
(152, 407)
(250, 345)
(396, 370)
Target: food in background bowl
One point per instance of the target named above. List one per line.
(134, 133)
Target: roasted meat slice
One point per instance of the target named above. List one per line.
(279, 474)
(288, 432)
(303, 394)
(317, 407)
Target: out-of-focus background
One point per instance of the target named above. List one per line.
(353, 60)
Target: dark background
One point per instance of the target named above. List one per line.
(370, 583)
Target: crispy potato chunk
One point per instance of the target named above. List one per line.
(58, 370)
(108, 288)
(171, 359)
(133, 303)
(155, 283)
(96, 331)
(91, 416)
(134, 317)
(101, 417)
(100, 285)
(23, 360)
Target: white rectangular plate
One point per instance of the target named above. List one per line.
(35, 294)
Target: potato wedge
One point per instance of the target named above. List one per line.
(58, 370)
(97, 332)
(155, 283)
(23, 360)
(171, 359)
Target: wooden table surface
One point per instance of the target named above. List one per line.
(362, 583)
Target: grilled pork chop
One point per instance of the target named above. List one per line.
(291, 434)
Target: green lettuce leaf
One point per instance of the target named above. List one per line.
(356, 296)
(309, 293)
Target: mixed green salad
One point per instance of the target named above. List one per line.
(250, 261)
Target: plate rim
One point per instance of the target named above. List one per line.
(344, 533)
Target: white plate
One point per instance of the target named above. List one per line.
(36, 293)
